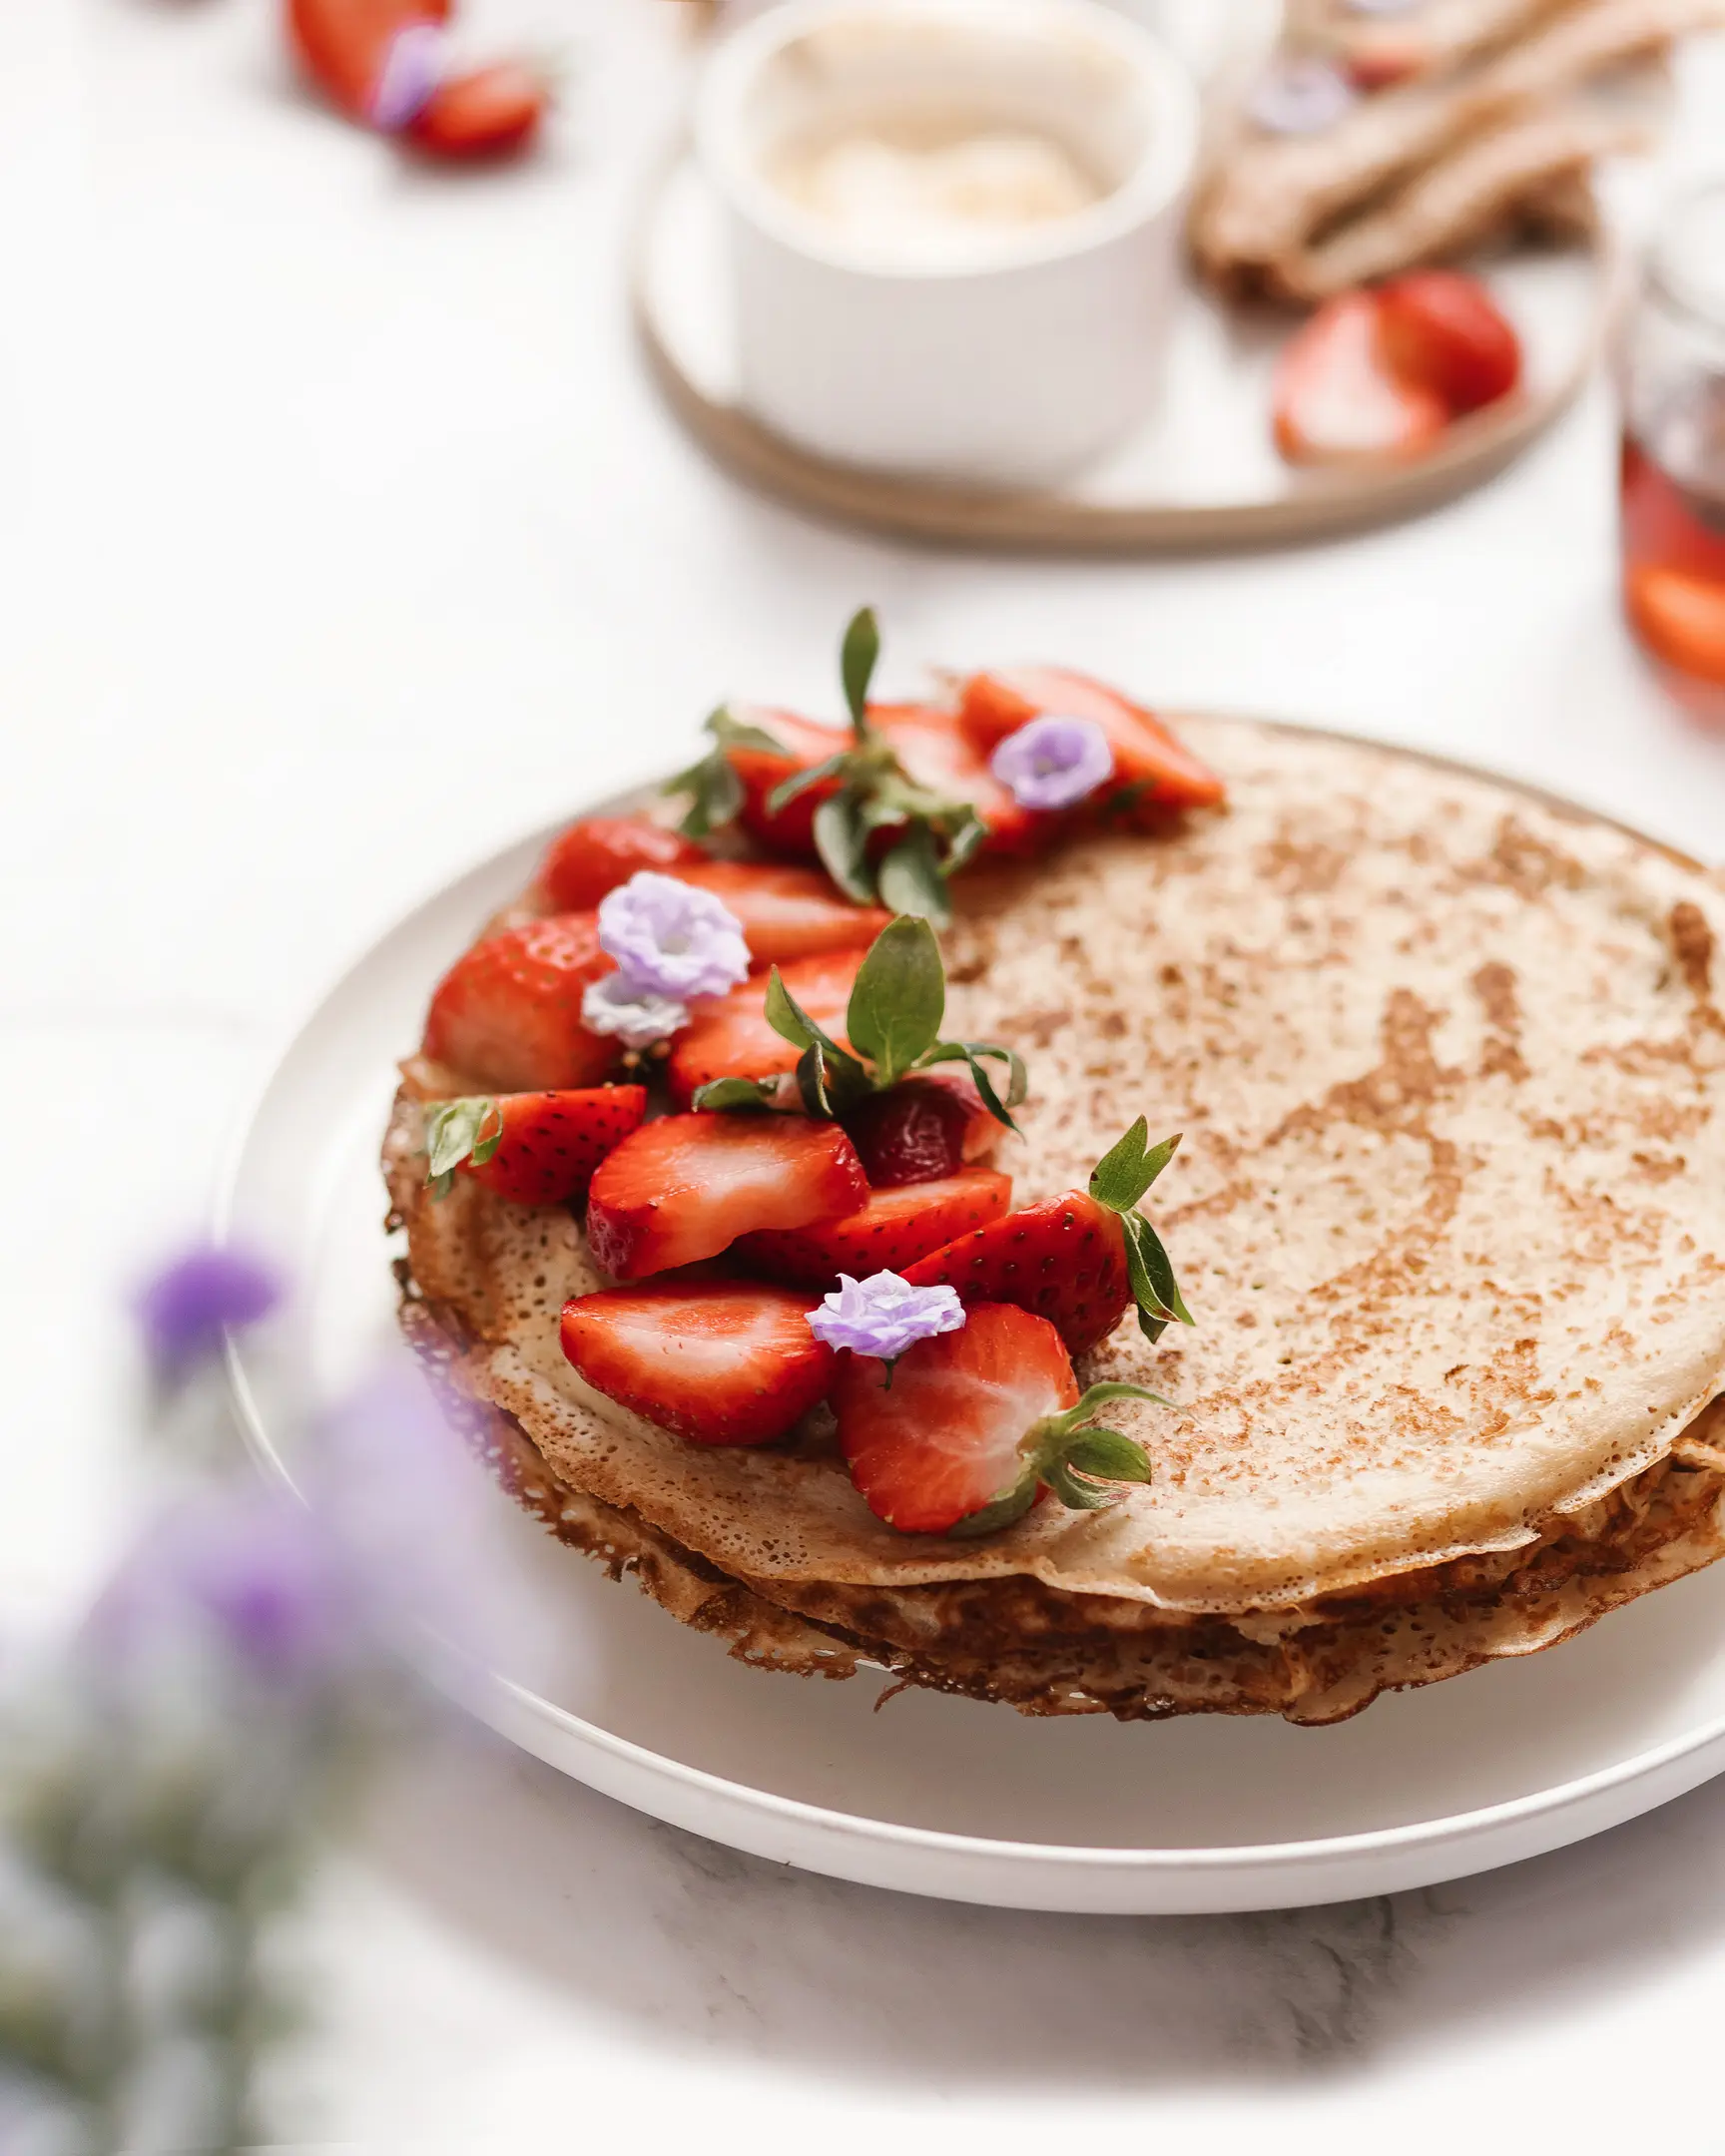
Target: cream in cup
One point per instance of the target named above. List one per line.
(954, 227)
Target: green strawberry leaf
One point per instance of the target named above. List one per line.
(962, 841)
(858, 655)
(1001, 1512)
(898, 998)
(1127, 1170)
(841, 841)
(1154, 1287)
(735, 1096)
(1107, 1456)
(715, 791)
(1100, 1396)
(455, 1131)
(969, 1053)
(784, 794)
(910, 879)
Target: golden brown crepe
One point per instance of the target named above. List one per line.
(1449, 1211)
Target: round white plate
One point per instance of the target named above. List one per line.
(934, 1795)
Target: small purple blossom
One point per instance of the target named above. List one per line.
(1300, 95)
(184, 1311)
(671, 937)
(1053, 761)
(414, 63)
(884, 1315)
(636, 1016)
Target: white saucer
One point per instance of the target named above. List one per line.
(1200, 472)
(934, 1795)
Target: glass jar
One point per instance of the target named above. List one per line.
(1673, 458)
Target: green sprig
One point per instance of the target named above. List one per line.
(1118, 1181)
(1085, 1464)
(458, 1131)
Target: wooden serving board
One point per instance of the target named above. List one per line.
(1202, 472)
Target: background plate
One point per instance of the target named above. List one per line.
(1200, 472)
(934, 1795)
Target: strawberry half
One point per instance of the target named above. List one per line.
(893, 1228)
(968, 1430)
(534, 1147)
(719, 1362)
(490, 113)
(1335, 400)
(508, 1015)
(1081, 1260)
(787, 914)
(730, 1037)
(1442, 332)
(1155, 775)
(687, 1186)
(924, 1128)
(596, 854)
(1681, 619)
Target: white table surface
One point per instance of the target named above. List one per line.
(341, 539)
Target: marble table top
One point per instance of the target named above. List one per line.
(343, 538)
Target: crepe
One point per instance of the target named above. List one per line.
(1449, 1211)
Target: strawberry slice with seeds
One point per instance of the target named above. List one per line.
(596, 854)
(922, 1129)
(535, 1148)
(1081, 1260)
(717, 1363)
(1336, 399)
(892, 1230)
(1442, 332)
(687, 1186)
(787, 914)
(731, 1038)
(1155, 774)
(508, 1015)
(790, 830)
(966, 1430)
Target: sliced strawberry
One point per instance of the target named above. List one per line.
(716, 1361)
(924, 1128)
(1681, 619)
(1442, 332)
(508, 1015)
(342, 44)
(787, 914)
(593, 857)
(535, 1148)
(965, 1431)
(731, 1038)
(791, 829)
(937, 753)
(492, 113)
(1336, 400)
(1154, 774)
(1065, 1260)
(893, 1228)
(688, 1186)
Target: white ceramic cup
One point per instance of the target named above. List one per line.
(1013, 361)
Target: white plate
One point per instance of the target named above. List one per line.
(945, 1795)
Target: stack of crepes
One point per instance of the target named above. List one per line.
(1380, 139)
(1450, 1214)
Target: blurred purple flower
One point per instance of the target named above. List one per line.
(414, 63)
(255, 1568)
(184, 1309)
(1300, 95)
(1053, 761)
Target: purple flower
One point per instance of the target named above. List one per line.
(1300, 95)
(635, 1016)
(884, 1315)
(1053, 761)
(184, 1311)
(672, 938)
(413, 64)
